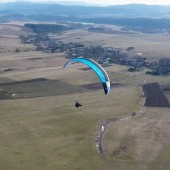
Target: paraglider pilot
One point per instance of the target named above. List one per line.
(77, 104)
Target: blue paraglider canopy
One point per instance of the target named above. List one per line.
(97, 68)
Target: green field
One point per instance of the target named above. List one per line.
(41, 129)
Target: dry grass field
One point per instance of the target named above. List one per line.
(41, 129)
(151, 45)
(142, 141)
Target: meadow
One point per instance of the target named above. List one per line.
(41, 129)
(150, 45)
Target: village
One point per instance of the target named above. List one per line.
(103, 55)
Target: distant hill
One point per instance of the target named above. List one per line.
(135, 17)
(79, 9)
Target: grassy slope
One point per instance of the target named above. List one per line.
(50, 133)
(162, 161)
(141, 142)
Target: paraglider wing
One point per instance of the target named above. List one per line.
(97, 68)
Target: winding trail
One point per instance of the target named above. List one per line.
(102, 125)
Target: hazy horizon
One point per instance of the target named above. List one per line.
(100, 2)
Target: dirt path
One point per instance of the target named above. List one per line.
(101, 127)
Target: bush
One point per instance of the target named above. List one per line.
(17, 50)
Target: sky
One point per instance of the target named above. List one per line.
(106, 2)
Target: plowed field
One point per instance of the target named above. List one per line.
(154, 95)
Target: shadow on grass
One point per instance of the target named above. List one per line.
(39, 87)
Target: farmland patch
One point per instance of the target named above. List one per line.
(36, 88)
(154, 95)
